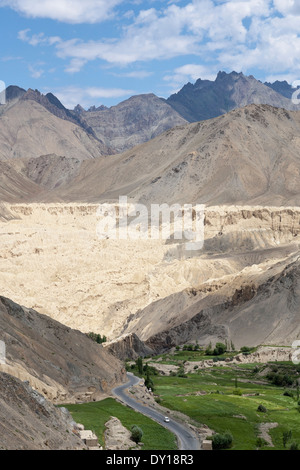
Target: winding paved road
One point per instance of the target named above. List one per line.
(187, 439)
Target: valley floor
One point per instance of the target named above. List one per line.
(226, 398)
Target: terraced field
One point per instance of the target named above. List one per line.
(226, 398)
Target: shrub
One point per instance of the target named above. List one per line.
(294, 446)
(219, 359)
(246, 350)
(222, 441)
(150, 370)
(281, 380)
(286, 436)
(136, 433)
(260, 442)
(209, 350)
(180, 373)
(237, 391)
(262, 409)
(288, 393)
(220, 349)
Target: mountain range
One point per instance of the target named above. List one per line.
(144, 117)
(249, 155)
(208, 99)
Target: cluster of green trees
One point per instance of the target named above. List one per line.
(145, 370)
(219, 350)
(286, 437)
(189, 347)
(98, 338)
(282, 380)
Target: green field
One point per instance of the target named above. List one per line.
(227, 398)
(94, 415)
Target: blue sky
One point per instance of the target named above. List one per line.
(97, 52)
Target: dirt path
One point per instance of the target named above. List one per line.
(264, 429)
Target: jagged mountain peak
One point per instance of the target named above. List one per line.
(208, 99)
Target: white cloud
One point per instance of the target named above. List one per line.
(69, 11)
(75, 65)
(287, 6)
(171, 32)
(36, 71)
(36, 39)
(139, 74)
(193, 72)
(11, 58)
(86, 97)
(189, 72)
(290, 78)
(231, 34)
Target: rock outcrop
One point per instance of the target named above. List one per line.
(29, 422)
(117, 437)
(128, 347)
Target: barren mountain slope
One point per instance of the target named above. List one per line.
(14, 185)
(28, 130)
(132, 122)
(249, 155)
(62, 364)
(53, 261)
(29, 422)
(257, 306)
(244, 284)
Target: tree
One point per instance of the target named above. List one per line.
(220, 349)
(139, 363)
(208, 350)
(148, 381)
(136, 433)
(286, 436)
(96, 337)
(260, 442)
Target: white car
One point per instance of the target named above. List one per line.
(166, 420)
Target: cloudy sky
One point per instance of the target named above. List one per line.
(103, 51)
